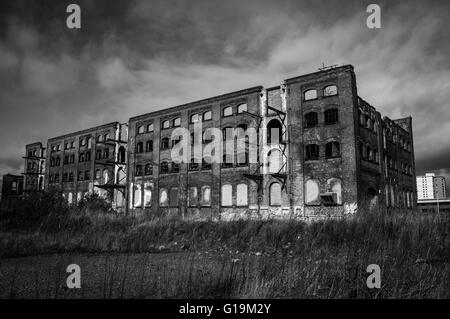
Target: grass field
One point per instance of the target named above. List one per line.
(139, 257)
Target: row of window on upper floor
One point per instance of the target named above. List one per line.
(82, 176)
(83, 142)
(331, 116)
(193, 118)
(332, 150)
(311, 94)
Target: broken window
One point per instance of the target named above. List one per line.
(193, 196)
(175, 167)
(274, 132)
(242, 108)
(227, 196)
(310, 95)
(106, 153)
(70, 177)
(332, 149)
(149, 146)
(193, 165)
(163, 197)
(97, 174)
(164, 168)
(148, 169)
(165, 143)
(138, 170)
(311, 119)
(242, 195)
(275, 194)
(330, 90)
(274, 161)
(335, 186)
(331, 116)
(80, 175)
(87, 175)
(312, 152)
(139, 147)
(121, 155)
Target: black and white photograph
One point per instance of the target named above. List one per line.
(240, 152)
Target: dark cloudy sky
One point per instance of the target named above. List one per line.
(132, 57)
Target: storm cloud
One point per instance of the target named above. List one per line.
(132, 57)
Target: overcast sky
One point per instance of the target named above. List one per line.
(133, 57)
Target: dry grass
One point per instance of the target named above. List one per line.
(140, 257)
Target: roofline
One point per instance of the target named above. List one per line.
(33, 144)
(296, 78)
(195, 103)
(95, 128)
(13, 175)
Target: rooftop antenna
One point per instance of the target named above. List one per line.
(329, 67)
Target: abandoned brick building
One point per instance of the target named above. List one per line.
(333, 153)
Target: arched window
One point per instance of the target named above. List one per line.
(312, 191)
(228, 111)
(331, 116)
(106, 153)
(274, 161)
(275, 194)
(147, 195)
(242, 195)
(274, 132)
(311, 119)
(166, 124)
(89, 142)
(164, 168)
(330, 90)
(176, 122)
(138, 170)
(150, 128)
(148, 169)
(195, 118)
(227, 195)
(120, 155)
(165, 143)
(206, 196)
(312, 152)
(332, 149)
(192, 197)
(141, 129)
(242, 108)
(207, 116)
(310, 95)
(335, 186)
(163, 197)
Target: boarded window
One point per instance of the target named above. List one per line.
(137, 195)
(147, 194)
(193, 196)
(227, 196)
(173, 197)
(163, 197)
(206, 196)
(242, 195)
(335, 186)
(275, 194)
(274, 161)
(312, 191)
